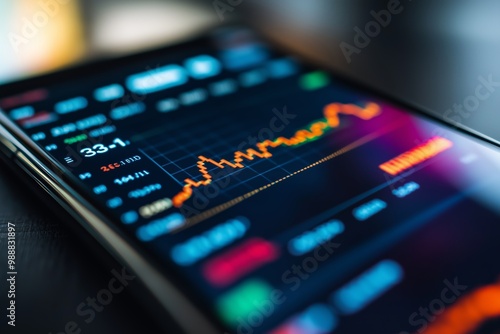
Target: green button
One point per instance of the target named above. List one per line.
(242, 300)
(314, 80)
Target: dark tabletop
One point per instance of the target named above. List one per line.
(56, 271)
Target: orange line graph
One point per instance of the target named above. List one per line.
(469, 313)
(314, 131)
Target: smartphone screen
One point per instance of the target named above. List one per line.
(283, 199)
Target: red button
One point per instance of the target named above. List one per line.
(239, 261)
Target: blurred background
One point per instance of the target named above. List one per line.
(44, 35)
(431, 54)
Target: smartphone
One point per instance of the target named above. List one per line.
(252, 192)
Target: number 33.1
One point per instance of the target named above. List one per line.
(97, 149)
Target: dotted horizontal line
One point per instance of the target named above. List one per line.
(222, 207)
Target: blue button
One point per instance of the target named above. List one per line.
(223, 87)
(167, 105)
(157, 79)
(20, 113)
(364, 289)
(130, 217)
(128, 110)
(160, 227)
(202, 67)
(115, 202)
(318, 318)
(369, 209)
(108, 93)
(253, 78)
(244, 56)
(71, 105)
(282, 68)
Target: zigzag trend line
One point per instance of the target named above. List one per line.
(314, 131)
